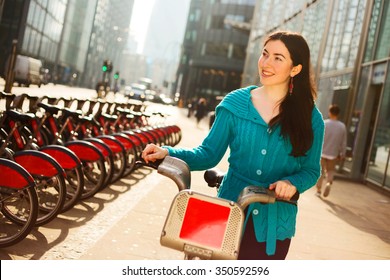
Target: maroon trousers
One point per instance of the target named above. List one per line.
(251, 249)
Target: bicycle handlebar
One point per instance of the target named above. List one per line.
(177, 170)
(173, 168)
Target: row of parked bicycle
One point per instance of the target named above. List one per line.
(57, 151)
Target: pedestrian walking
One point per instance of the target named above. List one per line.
(274, 133)
(191, 107)
(201, 110)
(334, 148)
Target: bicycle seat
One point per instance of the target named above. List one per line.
(52, 109)
(22, 117)
(69, 113)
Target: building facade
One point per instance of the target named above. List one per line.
(108, 38)
(350, 53)
(213, 52)
(72, 38)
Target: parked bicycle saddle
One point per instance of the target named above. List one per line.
(22, 117)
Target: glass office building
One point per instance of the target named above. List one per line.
(350, 52)
(214, 47)
(72, 38)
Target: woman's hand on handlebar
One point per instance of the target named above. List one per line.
(153, 152)
(283, 189)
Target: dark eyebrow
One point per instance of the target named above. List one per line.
(280, 55)
(276, 54)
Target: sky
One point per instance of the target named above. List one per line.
(139, 21)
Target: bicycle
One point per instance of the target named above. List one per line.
(18, 201)
(91, 157)
(203, 226)
(48, 174)
(26, 135)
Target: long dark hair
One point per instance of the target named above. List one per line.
(295, 117)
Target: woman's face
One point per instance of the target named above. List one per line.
(275, 64)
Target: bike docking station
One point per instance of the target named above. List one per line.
(202, 226)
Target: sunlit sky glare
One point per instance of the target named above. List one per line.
(140, 20)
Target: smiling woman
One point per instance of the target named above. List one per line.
(140, 21)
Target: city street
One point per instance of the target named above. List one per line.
(124, 221)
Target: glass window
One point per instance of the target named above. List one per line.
(217, 49)
(344, 34)
(372, 30)
(239, 52)
(381, 147)
(352, 130)
(383, 45)
(217, 22)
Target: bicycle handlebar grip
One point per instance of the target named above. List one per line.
(213, 177)
(177, 170)
(252, 194)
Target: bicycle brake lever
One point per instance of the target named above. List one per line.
(263, 195)
(150, 164)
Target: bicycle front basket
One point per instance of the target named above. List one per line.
(203, 226)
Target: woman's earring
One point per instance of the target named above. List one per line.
(291, 86)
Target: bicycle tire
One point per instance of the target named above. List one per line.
(94, 172)
(22, 202)
(108, 159)
(50, 186)
(131, 153)
(74, 179)
(119, 156)
(92, 164)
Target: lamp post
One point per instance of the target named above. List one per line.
(11, 66)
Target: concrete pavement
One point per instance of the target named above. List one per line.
(352, 223)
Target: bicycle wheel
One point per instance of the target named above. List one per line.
(95, 173)
(93, 166)
(131, 153)
(17, 199)
(108, 159)
(49, 178)
(74, 178)
(119, 156)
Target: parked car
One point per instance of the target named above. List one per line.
(27, 71)
(136, 91)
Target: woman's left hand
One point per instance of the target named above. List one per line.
(283, 189)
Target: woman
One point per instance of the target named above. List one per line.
(284, 148)
(200, 110)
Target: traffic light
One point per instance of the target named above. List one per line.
(116, 75)
(105, 66)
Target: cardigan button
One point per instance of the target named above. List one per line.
(259, 172)
(263, 151)
(255, 212)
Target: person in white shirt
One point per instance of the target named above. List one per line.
(333, 150)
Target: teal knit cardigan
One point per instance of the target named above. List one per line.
(259, 156)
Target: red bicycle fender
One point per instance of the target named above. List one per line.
(84, 150)
(14, 175)
(112, 143)
(39, 163)
(103, 147)
(64, 156)
(124, 140)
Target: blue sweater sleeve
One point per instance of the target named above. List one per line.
(213, 147)
(311, 163)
